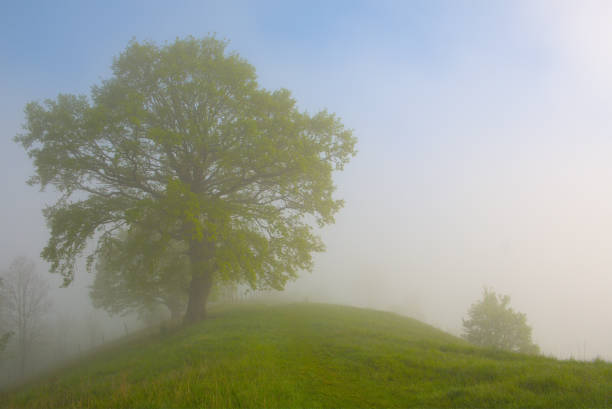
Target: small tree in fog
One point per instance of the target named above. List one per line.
(492, 323)
(4, 338)
(27, 301)
(5, 333)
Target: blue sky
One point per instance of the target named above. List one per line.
(484, 140)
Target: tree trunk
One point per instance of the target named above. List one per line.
(22, 358)
(198, 295)
(201, 282)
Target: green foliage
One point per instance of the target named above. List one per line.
(309, 355)
(492, 323)
(139, 272)
(181, 142)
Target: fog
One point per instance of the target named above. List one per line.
(485, 145)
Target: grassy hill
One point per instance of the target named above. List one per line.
(311, 355)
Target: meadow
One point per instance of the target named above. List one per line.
(312, 355)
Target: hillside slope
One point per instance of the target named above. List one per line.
(312, 355)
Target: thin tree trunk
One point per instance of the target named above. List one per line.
(22, 358)
(175, 313)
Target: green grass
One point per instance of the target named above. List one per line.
(312, 355)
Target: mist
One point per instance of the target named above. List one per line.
(484, 147)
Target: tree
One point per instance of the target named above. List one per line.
(492, 323)
(4, 338)
(183, 145)
(5, 333)
(127, 280)
(27, 301)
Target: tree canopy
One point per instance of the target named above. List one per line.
(492, 323)
(182, 144)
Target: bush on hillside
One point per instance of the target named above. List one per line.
(492, 323)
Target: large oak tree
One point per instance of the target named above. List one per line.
(182, 143)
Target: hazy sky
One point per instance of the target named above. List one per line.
(485, 141)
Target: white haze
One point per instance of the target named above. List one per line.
(488, 165)
(510, 187)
